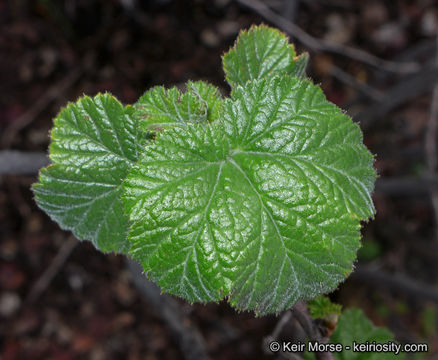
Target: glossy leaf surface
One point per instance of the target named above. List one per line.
(353, 325)
(263, 207)
(94, 143)
(257, 198)
(262, 52)
(160, 107)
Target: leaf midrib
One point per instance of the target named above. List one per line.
(270, 215)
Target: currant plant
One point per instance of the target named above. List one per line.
(256, 198)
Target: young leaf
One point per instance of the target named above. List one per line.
(161, 107)
(321, 307)
(263, 207)
(94, 143)
(353, 325)
(259, 52)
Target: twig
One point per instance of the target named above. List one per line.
(407, 186)
(21, 162)
(409, 88)
(189, 339)
(295, 328)
(281, 323)
(363, 88)
(395, 282)
(50, 95)
(285, 318)
(430, 144)
(325, 45)
(336, 4)
(290, 9)
(48, 275)
(299, 311)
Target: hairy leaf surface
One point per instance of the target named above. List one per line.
(94, 143)
(354, 326)
(263, 207)
(257, 198)
(160, 107)
(321, 307)
(262, 52)
(301, 65)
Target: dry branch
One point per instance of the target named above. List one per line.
(49, 274)
(21, 162)
(395, 282)
(53, 93)
(408, 88)
(406, 186)
(188, 337)
(325, 45)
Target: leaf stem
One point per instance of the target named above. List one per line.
(299, 311)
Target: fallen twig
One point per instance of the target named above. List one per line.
(273, 337)
(396, 282)
(189, 339)
(56, 91)
(406, 186)
(48, 275)
(408, 88)
(351, 81)
(290, 9)
(285, 318)
(21, 162)
(325, 45)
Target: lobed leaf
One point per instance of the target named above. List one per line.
(263, 207)
(300, 66)
(94, 143)
(257, 198)
(353, 325)
(160, 107)
(261, 52)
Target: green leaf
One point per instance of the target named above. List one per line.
(94, 143)
(161, 107)
(259, 52)
(429, 317)
(353, 325)
(300, 66)
(262, 207)
(322, 307)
